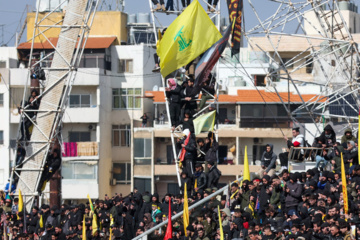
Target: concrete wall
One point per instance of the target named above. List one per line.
(4, 127)
(109, 23)
(9, 55)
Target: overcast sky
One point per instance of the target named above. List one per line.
(11, 11)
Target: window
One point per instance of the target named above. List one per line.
(79, 137)
(309, 65)
(121, 135)
(16, 96)
(173, 188)
(259, 80)
(288, 62)
(142, 151)
(122, 172)
(125, 66)
(142, 184)
(79, 170)
(1, 137)
(126, 98)
(77, 101)
(1, 99)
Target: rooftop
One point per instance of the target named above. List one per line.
(92, 43)
(248, 96)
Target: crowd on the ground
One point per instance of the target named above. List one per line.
(272, 206)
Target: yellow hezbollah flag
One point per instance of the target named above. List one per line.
(343, 180)
(191, 34)
(21, 202)
(204, 123)
(94, 225)
(221, 228)
(186, 211)
(41, 222)
(246, 175)
(91, 204)
(84, 229)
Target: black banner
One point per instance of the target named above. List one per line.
(235, 12)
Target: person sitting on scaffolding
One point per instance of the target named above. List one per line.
(328, 136)
(297, 141)
(159, 6)
(214, 4)
(268, 162)
(170, 5)
(185, 3)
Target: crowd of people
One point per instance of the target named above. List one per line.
(275, 205)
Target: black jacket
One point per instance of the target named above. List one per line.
(329, 140)
(210, 155)
(213, 177)
(174, 95)
(201, 180)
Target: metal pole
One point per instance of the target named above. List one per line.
(199, 203)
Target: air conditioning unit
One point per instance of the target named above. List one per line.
(113, 182)
(258, 140)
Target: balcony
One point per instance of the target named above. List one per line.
(82, 115)
(80, 151)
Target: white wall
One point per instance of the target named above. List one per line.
(9, 55)
(4, 126)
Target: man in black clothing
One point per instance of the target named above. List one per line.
(188, 146)
(173, 94)
(200, 180)
(190, 94)
(213, 175)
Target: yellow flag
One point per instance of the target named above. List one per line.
(94, 225)
(91, 204)
(246, 175)
(185, 211)
(191, 34)
(83, 229)
(220, 224)
(21, 202)
(204, 123)
(110, 238)
(343, 180)
(41, 222)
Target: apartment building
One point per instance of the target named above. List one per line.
(105, 103)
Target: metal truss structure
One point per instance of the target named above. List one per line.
(332, 51)
(55, 91)
(214, 14)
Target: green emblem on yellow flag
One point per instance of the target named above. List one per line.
(191, 34)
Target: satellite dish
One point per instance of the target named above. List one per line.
(156, 88)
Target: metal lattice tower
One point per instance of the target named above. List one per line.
(66, 56)
(329, 40)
